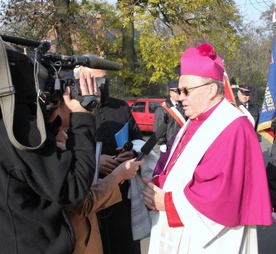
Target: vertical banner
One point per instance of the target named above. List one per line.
(229, 95)
(268, 111)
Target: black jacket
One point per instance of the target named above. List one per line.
(115, 221)
(110, 118)
(254, 110)
(36, 186)
(161, 115)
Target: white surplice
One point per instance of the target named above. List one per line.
(200, 234)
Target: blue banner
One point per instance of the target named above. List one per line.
(268, 111)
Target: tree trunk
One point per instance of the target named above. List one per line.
(128, 51)
(62, 27)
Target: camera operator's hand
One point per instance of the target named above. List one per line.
(87, 81)
(73, 104)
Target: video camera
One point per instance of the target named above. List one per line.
(44, 74)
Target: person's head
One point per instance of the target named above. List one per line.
(244, 93)
(173, 90)
(200, 83)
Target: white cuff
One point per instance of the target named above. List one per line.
(163, 148)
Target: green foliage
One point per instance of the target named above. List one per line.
(251, 63)
(27, 18)
(166, 28)
(163, 30)
(98, 29)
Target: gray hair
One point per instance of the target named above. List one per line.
(219, 85)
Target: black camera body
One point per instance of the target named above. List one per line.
(47, 75)
(56, 84)
(22, 74)
(36, 84)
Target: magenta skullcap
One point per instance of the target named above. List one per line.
(202, 61)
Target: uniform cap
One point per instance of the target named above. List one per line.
(244, 89)
(173, 84)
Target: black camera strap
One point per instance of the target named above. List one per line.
(7, 102)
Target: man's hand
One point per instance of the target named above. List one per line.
(127, 170)
(127, 155)
(72, 104)
(87, 80)
(88, 87)
(154, 197)
(107, 164)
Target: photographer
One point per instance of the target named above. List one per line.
(37, 185)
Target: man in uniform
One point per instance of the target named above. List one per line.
(249, 108)
(171, 113)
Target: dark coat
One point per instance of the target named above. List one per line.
(36, 186)
(254, 110)
(115, 221)
(161, 115)
(110, 118)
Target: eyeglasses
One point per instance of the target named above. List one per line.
(187, 92)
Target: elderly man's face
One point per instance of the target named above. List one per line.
(199, 99)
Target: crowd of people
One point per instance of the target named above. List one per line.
(201, 195)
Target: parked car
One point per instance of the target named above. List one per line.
(143, 112)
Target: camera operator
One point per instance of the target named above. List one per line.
(37, 185)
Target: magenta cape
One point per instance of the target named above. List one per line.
(230, 184)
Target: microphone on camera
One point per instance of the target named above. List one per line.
(93, 61)
(152, 141)
(97, 62)
(89, 60)
(20, 41)
(127, 147)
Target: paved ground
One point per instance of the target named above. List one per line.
(266, 235)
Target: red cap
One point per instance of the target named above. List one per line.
(202, 61)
